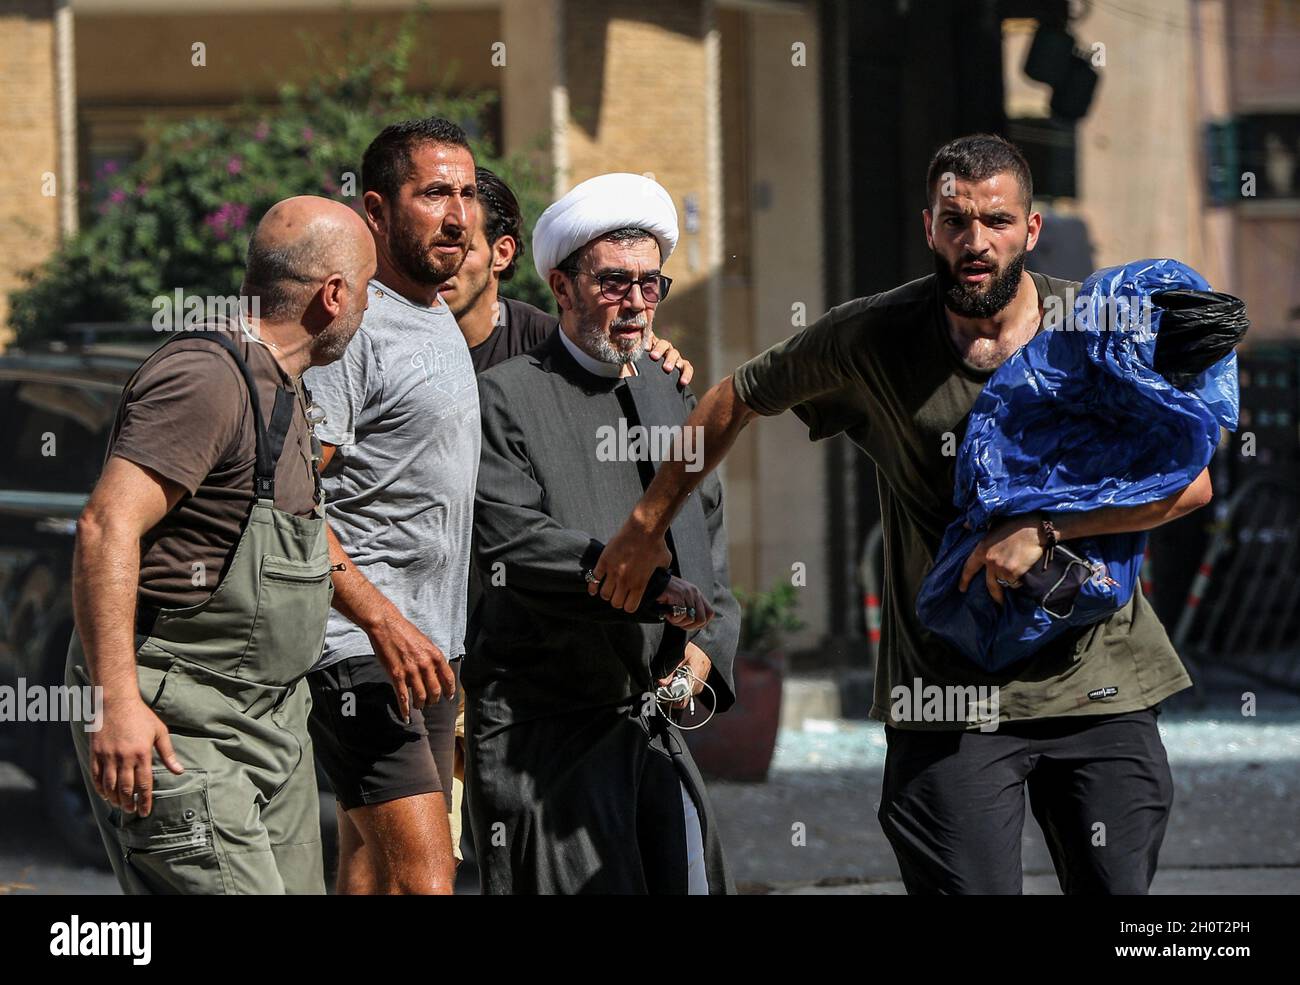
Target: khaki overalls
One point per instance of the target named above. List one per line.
(226, 678)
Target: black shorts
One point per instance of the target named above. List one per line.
(367, 751)
(953, 803)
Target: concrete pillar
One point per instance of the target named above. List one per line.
(789, 494)
(30, 175)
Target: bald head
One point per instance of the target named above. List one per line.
(308, 264)
(299, 244)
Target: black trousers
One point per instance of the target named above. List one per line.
(953, 803)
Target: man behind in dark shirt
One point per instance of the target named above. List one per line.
(497, 329)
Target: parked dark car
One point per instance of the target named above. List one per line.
(56, 411)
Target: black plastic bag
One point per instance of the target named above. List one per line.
(1197, 329)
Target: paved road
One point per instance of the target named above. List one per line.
(1235, 827)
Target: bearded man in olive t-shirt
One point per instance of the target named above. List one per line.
(898, 373)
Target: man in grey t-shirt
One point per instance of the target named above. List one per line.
(401, 409)
(400, 450)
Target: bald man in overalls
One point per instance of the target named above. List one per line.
(202, 580)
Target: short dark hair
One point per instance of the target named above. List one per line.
(625, 234)
(501, 214)
(386, 165)
(977, 157)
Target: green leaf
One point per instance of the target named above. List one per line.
(168, 236)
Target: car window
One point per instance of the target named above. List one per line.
(54, 435)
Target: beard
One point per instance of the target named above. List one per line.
(594, 340)
(330, 343)
(978, 300)
(469, 293)
(417, 259)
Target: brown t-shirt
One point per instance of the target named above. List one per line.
(187, 416)
(884, 371)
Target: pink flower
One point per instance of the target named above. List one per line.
(234, 165)
(226, 220)
(308, 134)
(117, 196)
(140, 190)
(261, 131)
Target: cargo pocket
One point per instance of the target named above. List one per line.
(293, 604)
(173, 850)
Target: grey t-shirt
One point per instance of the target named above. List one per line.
(402, 407)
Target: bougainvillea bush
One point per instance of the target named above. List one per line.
(180, 216)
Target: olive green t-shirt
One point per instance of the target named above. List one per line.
(884, 371)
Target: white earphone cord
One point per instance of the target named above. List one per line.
(712, 704)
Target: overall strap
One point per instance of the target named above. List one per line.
(281, 418)
(270, 442)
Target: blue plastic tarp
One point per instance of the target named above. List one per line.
(1075, 420)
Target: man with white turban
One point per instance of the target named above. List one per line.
(577, 778)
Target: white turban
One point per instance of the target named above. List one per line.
(598, 206)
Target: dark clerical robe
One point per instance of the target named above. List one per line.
(574, 778)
